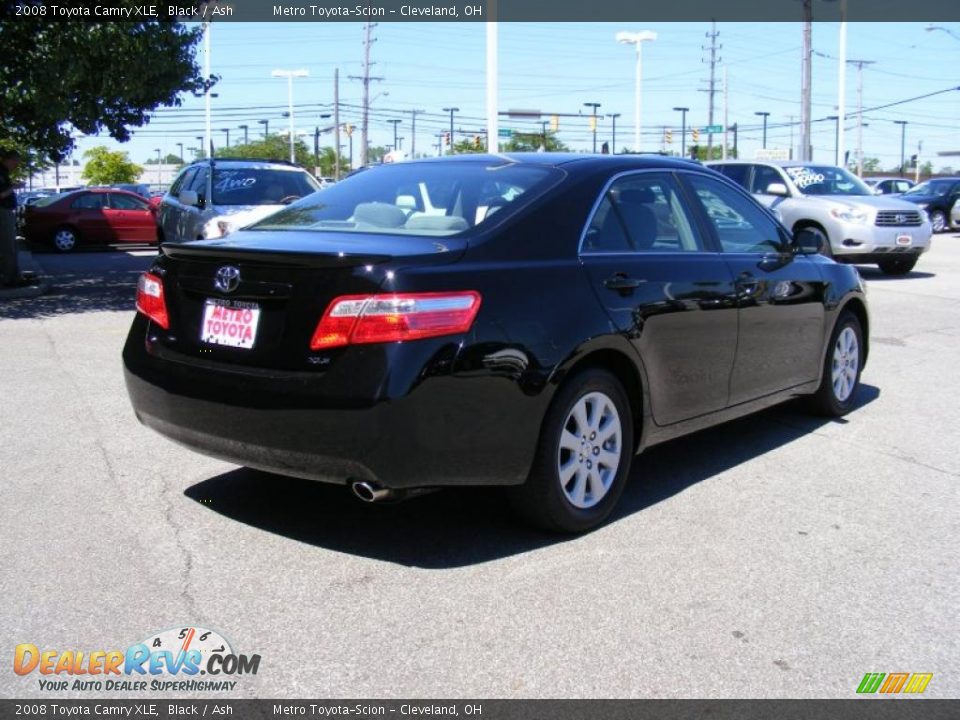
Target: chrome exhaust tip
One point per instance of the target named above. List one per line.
(370, 492)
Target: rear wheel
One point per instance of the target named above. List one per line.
(65, 239)
(583, 457)
(898, 266)
(938, 219)
(841, 369)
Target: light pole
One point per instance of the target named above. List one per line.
(266, 127)
(246, 135)
(683, 129)
(451, 110)
(613, 140)
(180, 145)
(159, 182)
(394, 123)
(203, 152)
(637, 38)
(543, 133)
(290, 75)
(903, 141)
(836, 139)
(227, 132)
(764, 115)
(593, 118)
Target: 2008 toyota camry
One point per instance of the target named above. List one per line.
(532, 321)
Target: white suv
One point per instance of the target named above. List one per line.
(210, 200)
(857, 226)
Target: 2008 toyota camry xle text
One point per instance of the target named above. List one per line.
(532, 321)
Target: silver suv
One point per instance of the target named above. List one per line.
(856, 225)
(210, 200)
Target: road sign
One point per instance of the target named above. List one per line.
(712, 129)
(772, 154)
(505, 133)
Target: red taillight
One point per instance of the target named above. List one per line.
(150, 300)
(361, 319)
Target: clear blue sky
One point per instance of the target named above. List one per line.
(557, 67)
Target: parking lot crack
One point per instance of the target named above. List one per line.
(186, 573)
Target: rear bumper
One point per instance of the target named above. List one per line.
(443, 430)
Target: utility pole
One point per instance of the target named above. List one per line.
(336, 122)
(613, 140)
(842, 86)
(903, 142)
(395, 122)
(453, 142)
(736, 151)
(726, 111)
(860, 64)
(413, 131)
(712, 88)
(806, 70)
(593, 121)
(366, 79)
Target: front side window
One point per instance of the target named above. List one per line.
(260, 186)
(183, 181)
(826, 180)
(741, 225)
(740, 174)
(418, 198)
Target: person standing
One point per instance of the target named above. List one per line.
(9, 270)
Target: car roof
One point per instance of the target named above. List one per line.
(242, 162)
(565, 159)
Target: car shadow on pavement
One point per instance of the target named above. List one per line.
(85, 281)
(465, 526)
(873, 273)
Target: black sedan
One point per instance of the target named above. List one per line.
(938, 196)
(532, 321)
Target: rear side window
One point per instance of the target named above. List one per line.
(740, 174)
(641, 213)
(89, 201)
(418, 198)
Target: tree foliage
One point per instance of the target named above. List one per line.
(272, 147)
(168, 159)
(528, 142)
(107, 167)
(94, 77)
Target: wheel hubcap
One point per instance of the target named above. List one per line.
(590, 447)
(64, 240)
(939, 221)
(846, 363)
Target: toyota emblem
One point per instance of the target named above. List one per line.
(227, 279)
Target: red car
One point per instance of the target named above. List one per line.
(89, 217)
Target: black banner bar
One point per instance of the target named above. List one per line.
(873, 708)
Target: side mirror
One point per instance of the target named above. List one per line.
(188, 197)
(777, 189)
(807, 241)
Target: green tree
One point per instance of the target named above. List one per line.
(272, 147)
(528, 142)
(107, 167)
(169, 159)
(871, 165)
(94, 77)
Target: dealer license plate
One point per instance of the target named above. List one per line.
(232, 323)
(904, 240)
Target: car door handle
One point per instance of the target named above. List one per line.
(621, 282)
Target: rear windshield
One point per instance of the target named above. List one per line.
(260, 186)
(423, 198)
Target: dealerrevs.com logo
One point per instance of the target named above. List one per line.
(168, 661)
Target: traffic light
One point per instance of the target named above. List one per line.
(913, 161)
(554, 123)
(593, 123)
(695, 135)
(668, 136)
(477, 142)
(446, 138)
(348, 128)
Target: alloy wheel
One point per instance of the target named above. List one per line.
(591, 446)
(846, 364)
(64, 240)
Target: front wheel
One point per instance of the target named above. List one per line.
(65, 239)
(938, 219)
(841, 369)
(898, 266)
(583, 457)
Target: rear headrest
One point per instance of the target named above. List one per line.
(379, 214)
(637, 196)
(437, 223)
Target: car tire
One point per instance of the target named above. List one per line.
(897, 266)
(583, 456)
(825, 248)
(938, 221)
(65, 239)
(842, 366)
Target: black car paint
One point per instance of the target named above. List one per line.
(937, 203)
(468, 409)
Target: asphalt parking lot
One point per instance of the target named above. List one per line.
(776, 556)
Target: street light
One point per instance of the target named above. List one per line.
(637, 38)
(903, 141)
(836, 139)
(227, 131)
(683, 129)
(266, 127)
(180, 145)
(246, 136)
(764, 115)
(451, 110)
(290, 75)
(200, 139)
(394, 123)
(159, 182)
(613, 141)
(594, 106)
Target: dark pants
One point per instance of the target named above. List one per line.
(9, 270)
